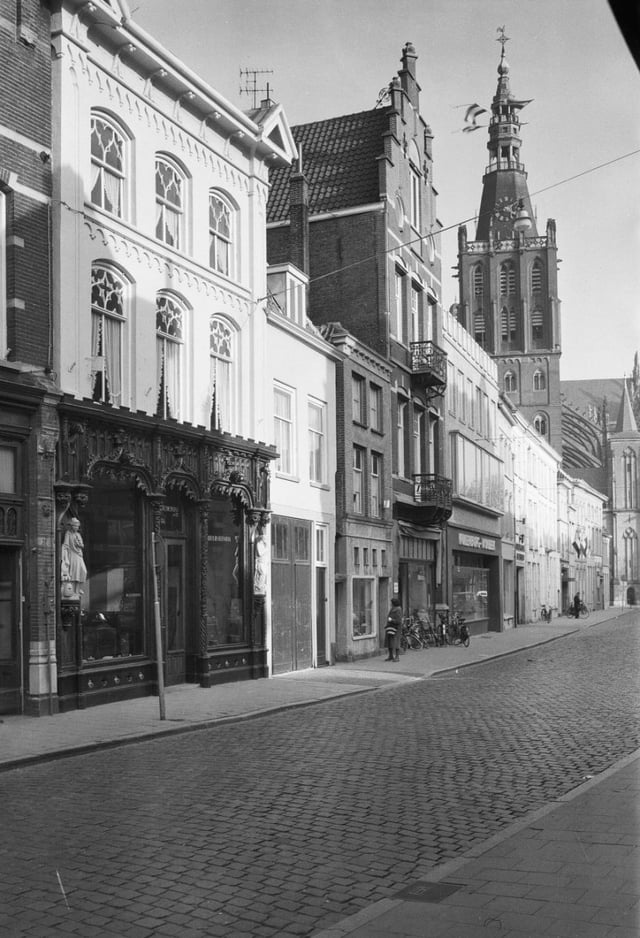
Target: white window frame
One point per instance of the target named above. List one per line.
(402, 410)
(375, 407)
(170, 349)
(317, 442)
(220, 242)
(284, 430)
(375, 493)
(105, 171)
(103, 321)
(221, 359)
(166, 209)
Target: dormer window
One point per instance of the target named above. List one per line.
(287, 293)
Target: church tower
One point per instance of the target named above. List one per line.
(508, 275)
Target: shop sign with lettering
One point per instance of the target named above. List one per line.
(476, 542)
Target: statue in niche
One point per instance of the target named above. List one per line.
(73, 571)
(260, 569)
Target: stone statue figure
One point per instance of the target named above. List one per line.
(260, 571)
(72, 567)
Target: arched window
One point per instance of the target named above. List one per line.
(508, 324)
(108, 165)
(170, 316)
(108, 293)
(537, 325)
(221, 219)
(536, 277)
(480, 329)
(478, 280)
(541, 425)
(539, 380)
(630, 478)
(507, 279)
(630, 542)
(221, 356)
(510, 381)
(170, 200)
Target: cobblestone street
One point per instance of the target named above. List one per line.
(284, 824)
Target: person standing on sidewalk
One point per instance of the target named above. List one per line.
(576, 605)
(393, 630)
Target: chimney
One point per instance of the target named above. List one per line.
(408, 74)
(299, 217)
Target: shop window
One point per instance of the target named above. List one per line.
(113, 619)
(226, 623)
(470, 587)
(363, 612)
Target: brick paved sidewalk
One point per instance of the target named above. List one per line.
(188, 707)
(569, 870)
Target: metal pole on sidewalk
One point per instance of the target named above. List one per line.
(158, 629)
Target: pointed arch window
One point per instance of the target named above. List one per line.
(539, 380)
(507, 279)
(170, 195)
(541, 425)
(170, 321)
(480, 329)
(508, 324)
(510, 382)
(630, 478)
(108, 292)
(537, 325)
(630, 544)
(221, 358)
(536, 277)
(478, 280)
(108, 154)
(221, 223)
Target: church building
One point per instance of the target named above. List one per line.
(508, 274)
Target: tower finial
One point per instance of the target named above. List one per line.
(502, 38)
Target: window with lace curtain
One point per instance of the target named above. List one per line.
(221, 219)
(170, 316)
(108, 152)
(170, 193)
(221, 357)
(108, 292)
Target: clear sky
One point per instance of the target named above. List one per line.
(332, 57)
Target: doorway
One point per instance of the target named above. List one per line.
(10, 639)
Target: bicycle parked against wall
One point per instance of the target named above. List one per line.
(458, 631)
(410, 637)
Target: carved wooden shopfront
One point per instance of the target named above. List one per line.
(205, 496)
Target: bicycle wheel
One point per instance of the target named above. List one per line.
(466, 642)
(584, 612)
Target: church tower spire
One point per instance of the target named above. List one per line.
(508, 275)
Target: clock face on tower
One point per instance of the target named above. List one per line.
(504, 208)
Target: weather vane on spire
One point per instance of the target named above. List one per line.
(502, 38)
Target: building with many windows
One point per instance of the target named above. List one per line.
(374, 265)
(28, 397)
(159, 303)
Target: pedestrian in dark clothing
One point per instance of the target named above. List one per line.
(393, 630)
(576, 605)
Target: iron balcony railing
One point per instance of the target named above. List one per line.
(433, 490)
(429, 362)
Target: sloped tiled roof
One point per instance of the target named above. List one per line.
(586, 395)
(339, 160)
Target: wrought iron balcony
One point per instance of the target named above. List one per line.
(434, 493)
(429, 366)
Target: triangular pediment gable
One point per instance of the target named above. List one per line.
(275, 131)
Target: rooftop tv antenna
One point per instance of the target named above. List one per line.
(249, 82)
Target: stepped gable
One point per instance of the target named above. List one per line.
(339, 160)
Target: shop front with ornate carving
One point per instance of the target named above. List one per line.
(156, 519)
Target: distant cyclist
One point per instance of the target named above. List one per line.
(576, 605)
